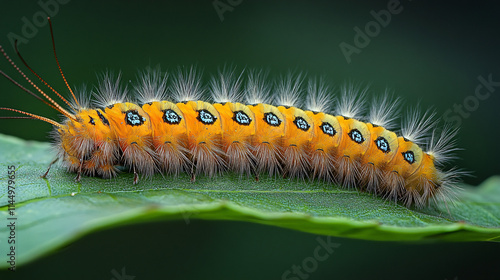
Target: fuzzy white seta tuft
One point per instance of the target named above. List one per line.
(448, 188)
(416, 126)
(257, 90)
(351, 102)
(288, 90)
(443, 144)
(226, 86)
(151, 85)
(187, 85)
(384, 111)
(319, 98)
(110, 91)
(82, 95)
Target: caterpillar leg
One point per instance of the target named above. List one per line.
(193, 175)
(256, 175)
(136, 177)
(79, 173)
(44, 176)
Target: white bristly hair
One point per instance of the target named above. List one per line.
(187, 85)
(449, 188)
(416, 126)
(151, 85)
(319, 98)
(110, 91)
(384, 110)
(226, 86)
(82, 95)
(257, 90)
(288, 90)
(443, 144)
(352, 101)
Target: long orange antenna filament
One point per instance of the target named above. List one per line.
(32, 116)
(59, 108)
(15, 118)
(32, 71)
(58, 65)
(27, 90)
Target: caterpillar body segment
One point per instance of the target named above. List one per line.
(238, 131)
(298, 134)
(204, 133)
(268, 138)
(375, 161)
(169, 136)
(323, 147)
(132, 131)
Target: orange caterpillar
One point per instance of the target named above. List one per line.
(185, 134)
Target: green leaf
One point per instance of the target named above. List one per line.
(55, 211)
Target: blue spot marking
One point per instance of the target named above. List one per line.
(409, 157)
(328, 129)
(241, 118)
(356, 136)
(301, 124)
(382, 144)
(133, 118)
(206, 117)
(171, 117)
(271, 119)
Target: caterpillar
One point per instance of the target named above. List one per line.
(249, 127)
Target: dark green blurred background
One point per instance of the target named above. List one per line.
(429, 53)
